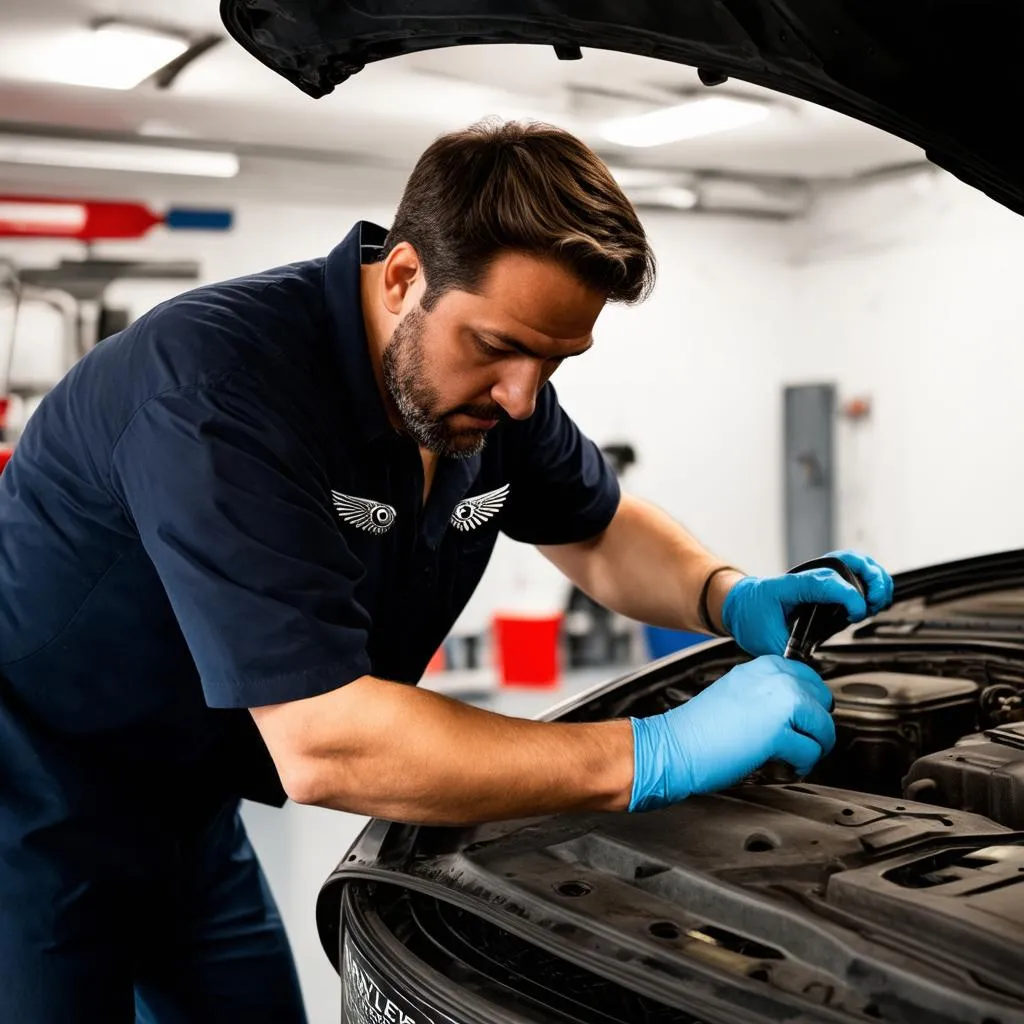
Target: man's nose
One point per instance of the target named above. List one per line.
(516, 391)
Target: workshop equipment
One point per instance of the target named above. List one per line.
(90, 220)
(596, 636)
(528, 649)
(661, 641)
(9, 282)
(76, 288)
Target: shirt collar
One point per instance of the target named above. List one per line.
(343, 291)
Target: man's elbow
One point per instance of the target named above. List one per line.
(303, 780)
(326, 748)
(306, 758)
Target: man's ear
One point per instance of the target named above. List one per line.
(403, 273)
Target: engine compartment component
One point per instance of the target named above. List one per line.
(769, 889)
(982, 774)
(1002, 703)
(885, 721)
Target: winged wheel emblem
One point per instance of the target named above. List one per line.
(474, 512)
(364, 514)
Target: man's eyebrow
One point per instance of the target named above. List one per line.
(519, 346)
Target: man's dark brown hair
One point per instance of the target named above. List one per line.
(528, 187)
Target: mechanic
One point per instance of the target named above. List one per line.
(234, 533)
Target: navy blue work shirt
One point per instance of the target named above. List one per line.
(212, 512)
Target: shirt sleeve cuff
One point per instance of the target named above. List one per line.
(585, 525)
(258, 691)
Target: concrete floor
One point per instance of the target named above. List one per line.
(300, 846)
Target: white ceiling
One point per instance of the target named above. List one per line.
(390, 111)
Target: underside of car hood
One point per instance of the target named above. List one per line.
(969, 599)
(943, 76)
(983, 574)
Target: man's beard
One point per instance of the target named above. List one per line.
(417, 401)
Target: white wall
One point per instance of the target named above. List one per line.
(909, 291)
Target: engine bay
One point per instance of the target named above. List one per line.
(886, 885)
(892, 867)
(939, 729)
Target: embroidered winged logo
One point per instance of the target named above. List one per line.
(364, 514)
(474, 512)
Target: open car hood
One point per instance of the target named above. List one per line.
(974, 599)
(943, 76)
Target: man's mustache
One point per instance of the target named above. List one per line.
(480, 412)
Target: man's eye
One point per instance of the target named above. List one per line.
(489, 350)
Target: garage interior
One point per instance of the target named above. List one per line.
(829, 358)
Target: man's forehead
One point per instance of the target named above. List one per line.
(536, 301)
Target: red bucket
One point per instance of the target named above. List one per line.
(438, 663)
(528, 649)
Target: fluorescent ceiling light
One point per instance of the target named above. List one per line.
(676, 197)
(643, 177)
(164, 130)
(115, 56)
(685, 121)
(116, 156)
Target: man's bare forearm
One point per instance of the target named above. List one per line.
(647, 567)
(393, 751)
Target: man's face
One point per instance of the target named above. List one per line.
(454, 373)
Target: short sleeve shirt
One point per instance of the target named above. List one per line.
(212, 512)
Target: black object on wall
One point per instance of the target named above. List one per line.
(112, 320)
(594, 634)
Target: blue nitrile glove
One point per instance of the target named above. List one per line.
(757, 610)
(765, 709)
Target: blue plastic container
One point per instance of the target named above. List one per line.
(662, 642)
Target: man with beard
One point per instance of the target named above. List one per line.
(236, 532)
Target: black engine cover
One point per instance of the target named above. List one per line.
(885, 721)
(983, 774)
